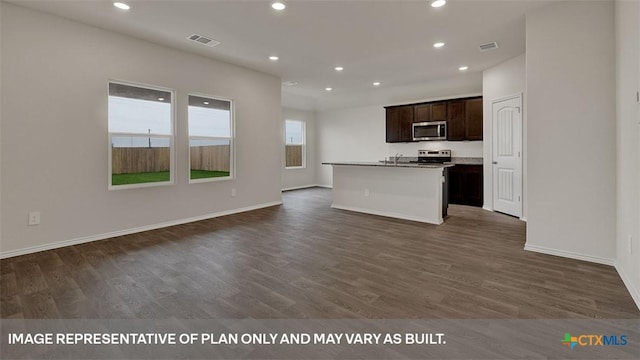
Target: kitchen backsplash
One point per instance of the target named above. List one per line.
(458, 148)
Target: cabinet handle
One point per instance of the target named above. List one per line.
(495, 163)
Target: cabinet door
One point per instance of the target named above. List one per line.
(392, 125)
(473, 120)
(465, 185)
(422, 113)
(406, 124)
(439, 111)
(455, 120)
(456, 195)
(472, 183)
(399, 124)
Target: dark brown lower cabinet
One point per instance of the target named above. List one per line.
(465, 185)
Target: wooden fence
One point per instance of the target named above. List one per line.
(212, 158)
(126, 160)
(293, 155)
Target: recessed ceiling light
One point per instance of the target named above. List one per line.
(438, 3)
(121, 5)
(463, 68)
(328, 89)
(377, 83)
(205, 102)
(278, 5)
(160, 99)
(438, 45)
(339, 68)
(273, 58)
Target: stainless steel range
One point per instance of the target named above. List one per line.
(434, 156)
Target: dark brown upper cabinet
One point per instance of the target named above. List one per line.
(430, 112)
(422, 113)
(456, 120)
(439, 111)
(463, 117)
(473, 121)
(399, 123)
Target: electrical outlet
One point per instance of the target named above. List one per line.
(630, 244)
(366, 192)
(34, 218)
(233, 192)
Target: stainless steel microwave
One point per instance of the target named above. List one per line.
(431, 130)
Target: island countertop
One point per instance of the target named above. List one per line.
(390, 164)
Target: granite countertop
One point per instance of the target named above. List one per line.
(390, 164)
(467, 160)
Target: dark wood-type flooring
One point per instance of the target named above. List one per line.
(306, 260)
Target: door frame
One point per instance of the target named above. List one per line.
(519, 96)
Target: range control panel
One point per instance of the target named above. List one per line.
(434, 153)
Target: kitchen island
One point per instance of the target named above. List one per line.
(407, 191)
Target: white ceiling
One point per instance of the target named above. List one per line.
(388, 41)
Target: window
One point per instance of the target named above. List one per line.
(140, 136)
(294, 144)
(210, 138)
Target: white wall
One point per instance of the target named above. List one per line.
(296, 101)
(628, 140)
(571, 130)
(502, 80)
(54, 144)
(0, 131)
(359, 134)
(298, 178)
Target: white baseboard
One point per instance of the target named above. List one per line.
(299, 187)
(633, 290)
(569, 254)
(383, 213)
(307, 187)
(86, 239)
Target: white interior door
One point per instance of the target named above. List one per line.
(507, 155)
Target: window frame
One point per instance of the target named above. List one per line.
(231, 138)
(304, 145)
(171, 137)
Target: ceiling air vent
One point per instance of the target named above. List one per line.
(489, 46)
(203, 40)
(289, 83)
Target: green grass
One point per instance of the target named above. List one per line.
(149, 177)
(139, 178)
(203, 174)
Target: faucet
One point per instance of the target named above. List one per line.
(395, 158)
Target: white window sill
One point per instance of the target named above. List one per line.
(141, 185)
(212, 179)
